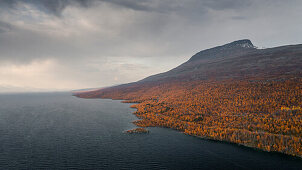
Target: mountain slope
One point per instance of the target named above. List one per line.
(238, 59)
(234, 93)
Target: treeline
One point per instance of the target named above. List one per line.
(256, 113)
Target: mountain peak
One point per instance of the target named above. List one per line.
(245, 43)
(230, 49)
(238, 59)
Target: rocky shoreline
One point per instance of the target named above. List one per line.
(137, 131)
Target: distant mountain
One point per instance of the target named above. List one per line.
(238, 59)
(19, 89)
(86, 90)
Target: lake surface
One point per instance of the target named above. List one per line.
(59, 131)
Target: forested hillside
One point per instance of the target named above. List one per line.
(235, 93)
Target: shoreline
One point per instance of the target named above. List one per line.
(209, 139)
(200, 137)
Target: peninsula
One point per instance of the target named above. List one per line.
(234, 93)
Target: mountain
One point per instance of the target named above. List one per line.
(234, 92)
(238, 59)
(4, 88)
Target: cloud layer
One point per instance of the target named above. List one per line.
(68, 44)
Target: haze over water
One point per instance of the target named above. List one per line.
(59, 131)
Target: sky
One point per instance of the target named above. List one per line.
(77, 44)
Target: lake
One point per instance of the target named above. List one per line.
(59, 131)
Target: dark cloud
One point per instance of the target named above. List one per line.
(143, 5)
(179, 5)
(57, 6)
(227, 4)
(88, 43)
(5, 27)
(49, 6)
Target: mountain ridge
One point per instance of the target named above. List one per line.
(244, 44)
(219, 62)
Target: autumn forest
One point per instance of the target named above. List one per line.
(262, 111)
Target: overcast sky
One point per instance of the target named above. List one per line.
(74, 44)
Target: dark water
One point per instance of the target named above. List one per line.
(58, 131)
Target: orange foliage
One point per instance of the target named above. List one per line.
(255, 113)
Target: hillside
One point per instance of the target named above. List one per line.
(234, 92)
(238, 59)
